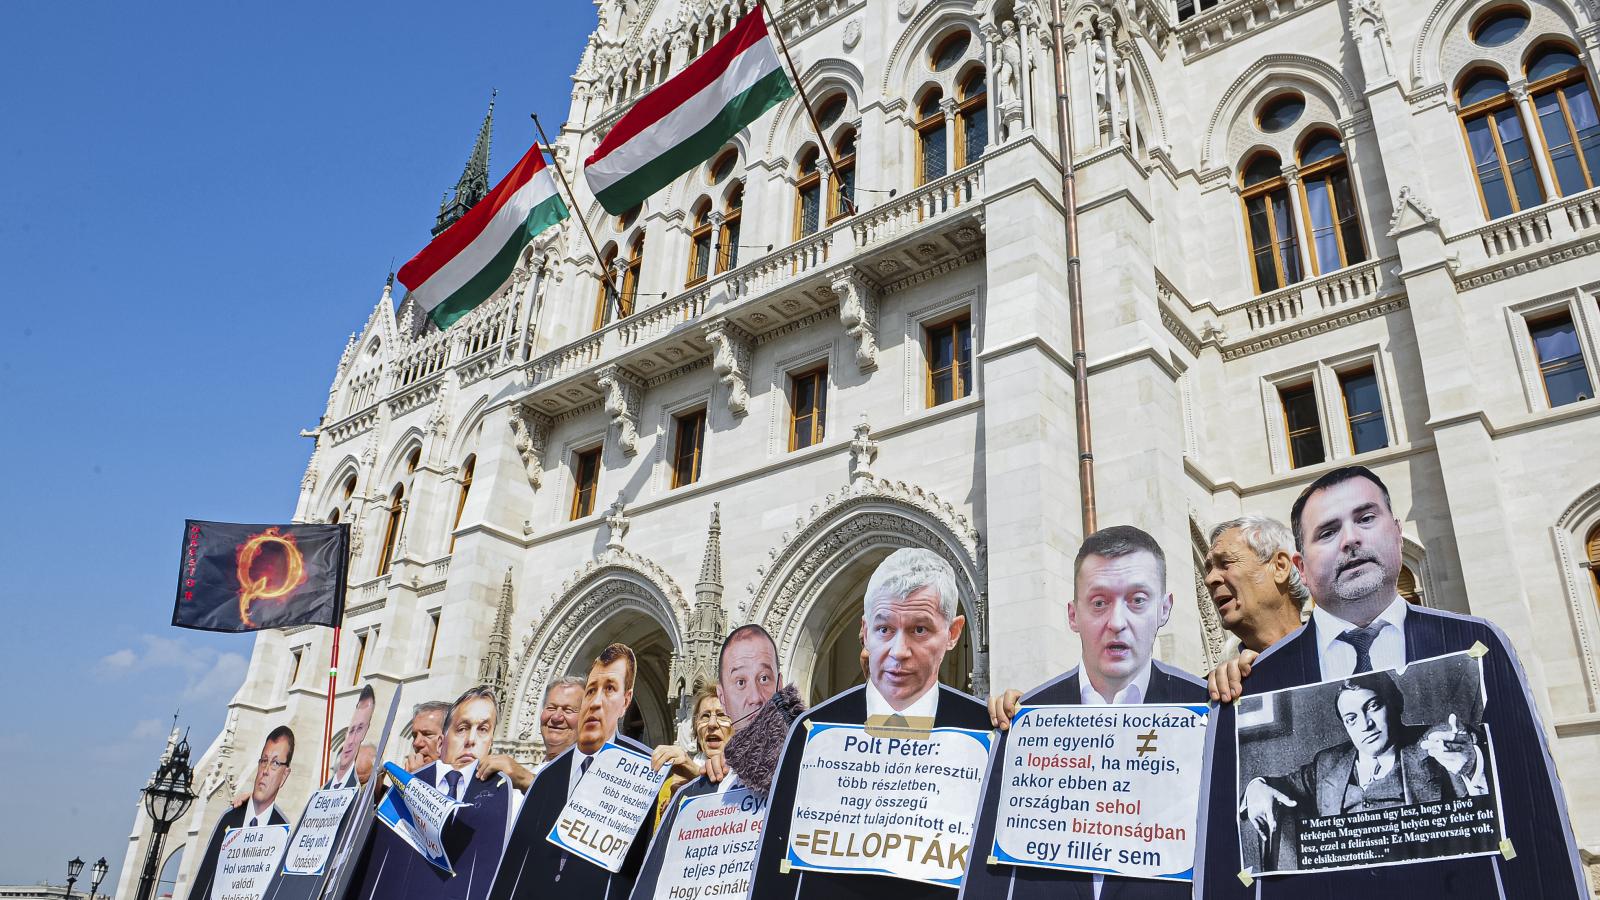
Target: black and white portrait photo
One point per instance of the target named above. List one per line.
(1379, 768)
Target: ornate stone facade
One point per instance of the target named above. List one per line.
(1190, 353)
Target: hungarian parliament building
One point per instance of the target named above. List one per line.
(1313, 233)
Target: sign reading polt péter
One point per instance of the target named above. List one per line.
(313, 840)
(899, 806)
(712, 847)
(247, 860)
(607, 807)
(1112, 790)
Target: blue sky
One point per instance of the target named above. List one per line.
(198, 203)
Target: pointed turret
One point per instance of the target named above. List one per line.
(709, 624)
(474, 181)
(495, 670)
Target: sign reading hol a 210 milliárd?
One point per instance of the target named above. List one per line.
(1112, 790)
(246, 861)
(899, 806)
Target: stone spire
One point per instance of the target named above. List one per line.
(711, 565)
(709, 623)
(474, 181)
(495, 670)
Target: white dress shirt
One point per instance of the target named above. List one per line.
(1134, 692)
(578, 756)
(926, 706)
(466, 778)
(263, 815)
(1338, 658)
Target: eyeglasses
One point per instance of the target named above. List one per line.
(719, 718)
(274, 763)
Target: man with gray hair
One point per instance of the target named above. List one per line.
(427, 728)
(910, 618)
(558, 719)
(1252, 573)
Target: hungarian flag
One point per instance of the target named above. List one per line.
(250, 577)
(680, 124)
(472, 258)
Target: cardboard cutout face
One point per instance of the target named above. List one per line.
(605, 698)
(470, 733)
(1351, 548)
(906, 639)
(272, 770)
(1119, 606)
(355, 736)
(749, 675)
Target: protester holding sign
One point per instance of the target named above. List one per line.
(474, 834)
(272, 770)
(533, 866)
(713, 852)
(876, 787)
(712, 728)
(1346, 531)
(1120, 601)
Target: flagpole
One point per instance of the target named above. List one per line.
(555, 161)
(816, 126)
(333, 685)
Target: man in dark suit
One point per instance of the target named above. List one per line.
(534, 867)
(272, 770)
(1120, 601)
(344, 770)
(910, 621)
(747, 677)
(1349, 540)
(475, 833)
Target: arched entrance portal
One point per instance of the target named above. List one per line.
(810, 599)
(829, 643)
(650, 718)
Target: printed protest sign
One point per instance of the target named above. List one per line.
(900, 806)
(607, 807)
(249, 857)
(1378, 769)
(312, 843)
(1112, 790)
(417, 812)
(712, 846)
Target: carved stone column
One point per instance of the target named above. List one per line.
(858, 312)
(1540, 153)
(1308, 268)
(624, 393)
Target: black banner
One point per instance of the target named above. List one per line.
(249, 577)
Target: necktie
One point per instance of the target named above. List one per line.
(252, 821)
(583, 769)
(453, 778)
(1361, 639)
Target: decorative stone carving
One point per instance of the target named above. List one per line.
(732, 349)
(852, 33)
(532, 430)
(1410, 211)
(1008, 79)
(905, 8)
(1371, 34)
(624, 393)
(858, 312)
(616, 525)
(863, 450)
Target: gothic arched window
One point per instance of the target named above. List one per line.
(391, 527)
(606, 301)
(1497, 139)
(932, 163)
(1330, 200)
(1269, 221)
(700, 237)
(842, 189)
(808, 194)
(626, 303)
(732, 217)
(973, 115)
(1564, 102)
(467, 469)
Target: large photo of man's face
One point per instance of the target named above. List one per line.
(469, 728)
(910, 620)
(747, 672)
(607, 694)
(1119, 602)
(272, 768)
(355, 734)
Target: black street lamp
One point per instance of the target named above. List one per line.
(99, 870)
(74, 866)
(166, 798)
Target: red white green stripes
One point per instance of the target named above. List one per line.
(471, 259)
(683, 122)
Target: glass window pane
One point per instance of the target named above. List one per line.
(1580, 106)
(846, 181)
(1483, 88)
(1363, 405)
(1558, 140)
(1320, 148)
(702, 254)
(1551, 62)
(1324, 239)
(1486, 161)
(1283, 112)
(1261, 243)
(944, 387)
(1568, 383)
(1555, 339)
(933, 155)
(1501, 28)
(941, 348)
(1355, 245)
(1514, 143)
(975, 129)
(951, 51)
(1288, 245)
(1261, 169)
(810, 206)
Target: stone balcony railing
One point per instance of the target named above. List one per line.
(1325, 295)
(1533, 231)
(928, 206)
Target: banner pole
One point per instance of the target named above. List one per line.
(805, 100)
(555, 162)
(333, 686)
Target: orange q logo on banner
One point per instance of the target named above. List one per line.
(289, 575)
